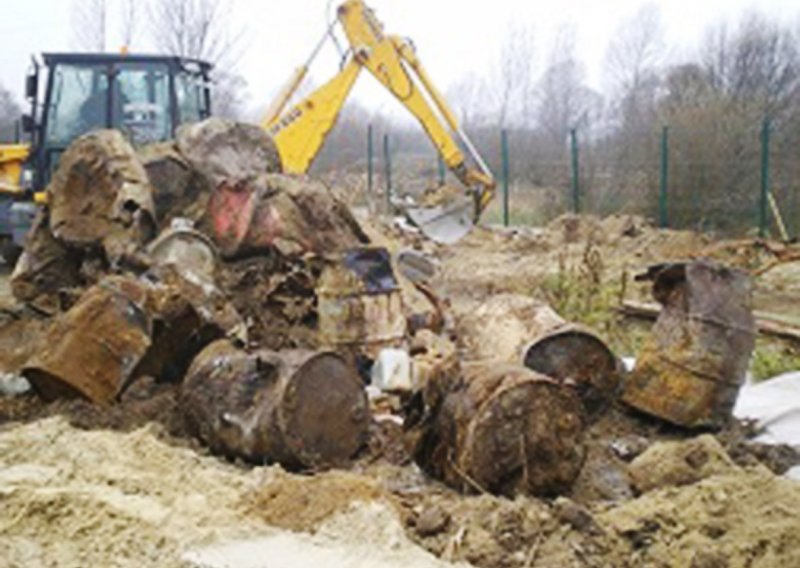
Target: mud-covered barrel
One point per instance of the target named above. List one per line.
(93, 349)
(519, 329)
(301, 409)
(691, 368)
(573, 355)
(506, 430)
(360, 302)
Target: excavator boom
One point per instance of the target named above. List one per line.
(300, 131)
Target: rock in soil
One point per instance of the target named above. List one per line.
(667, 464)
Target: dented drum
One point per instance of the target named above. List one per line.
(691, 368)
(93, 349)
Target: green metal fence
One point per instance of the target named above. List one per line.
(713, 178)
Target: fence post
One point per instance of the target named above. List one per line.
(663, 217)
(370, 154)
(441, 168)
(387, 160)
(576, 193)
(763, 203)
(504, 151)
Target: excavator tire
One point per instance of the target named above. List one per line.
(9, 252)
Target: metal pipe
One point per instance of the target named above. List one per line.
(387, 162)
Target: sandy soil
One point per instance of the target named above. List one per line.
(104, 498)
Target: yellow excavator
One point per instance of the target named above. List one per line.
(147, 97)
(300, 131)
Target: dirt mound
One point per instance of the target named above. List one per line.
(144, 404)
(74, 498)
(304, 503)
(100, 498)
(740, 519)
(667, 464)
(127, 499)
(745, 518)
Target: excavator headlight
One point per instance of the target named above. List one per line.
(26, 179)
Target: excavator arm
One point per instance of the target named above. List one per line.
(300, 132)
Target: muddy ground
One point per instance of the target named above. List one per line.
(127, 487)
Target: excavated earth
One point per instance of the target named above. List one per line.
(127, 486)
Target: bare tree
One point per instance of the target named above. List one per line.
(632, 64)
(565, 101)
(89, 24)
(9, 115)
(756, 66)
(514, 82)
(129, 22)
(193, 28)
(200, 29)
(470, 100)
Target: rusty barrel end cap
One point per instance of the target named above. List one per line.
(324, 413)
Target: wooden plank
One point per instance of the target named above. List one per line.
(776, 212)
(766, 323)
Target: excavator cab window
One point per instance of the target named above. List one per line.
(141, 106)
(78, 102)
(191, 92)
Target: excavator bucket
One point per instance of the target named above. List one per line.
(447, 223)
(444, 213)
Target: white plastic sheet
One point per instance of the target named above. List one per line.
(775, 405)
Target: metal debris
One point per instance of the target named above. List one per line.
(501, 429)
(360, 302)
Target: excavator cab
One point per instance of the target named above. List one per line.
(146, 97)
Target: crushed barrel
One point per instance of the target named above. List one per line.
(502, 429)
(225, 150)
(691, 368)
(301, 409)
(574, 355)
(93, 349)
(100, 196)
(45, 268)
(278, 213)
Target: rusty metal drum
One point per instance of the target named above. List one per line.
(360, 302)
(691, 368)
(93, 349)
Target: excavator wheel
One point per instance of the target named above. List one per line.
(9, 252)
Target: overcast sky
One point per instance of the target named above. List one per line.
(453, 38)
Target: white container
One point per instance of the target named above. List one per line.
(392, 371)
